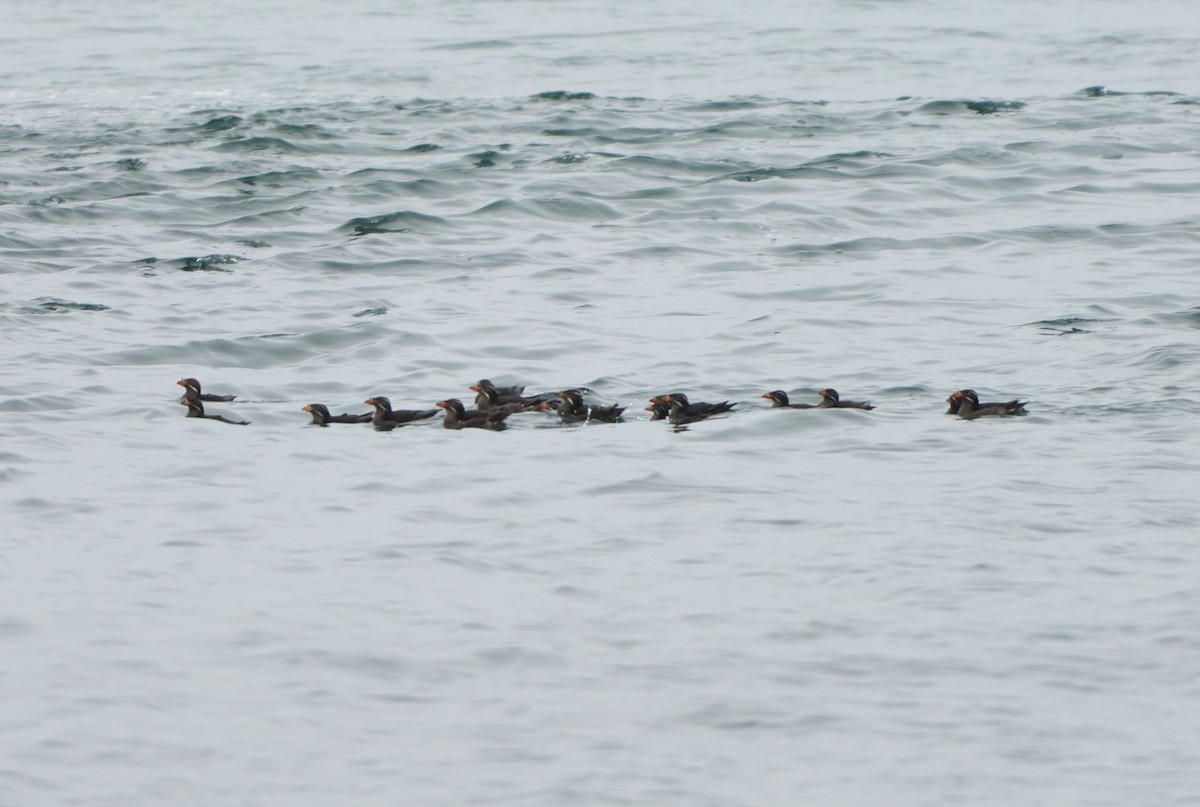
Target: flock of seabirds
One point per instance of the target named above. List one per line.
(494, 405)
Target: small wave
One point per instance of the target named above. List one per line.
(564, 272)
(627, 135)
(204, 263)
(403, 221)
(280, 179)
(37, 403)
(1068, 321)
(1100, 91)
(55, 305)
(729, 105)
(1168, 357)
(310, 130)
(221, 124)
(388, 190)
(260, 143)
(489, 158)
(878, 244)
(563, 95)
(1067, 326)
(850, 163)
(971, 155)
(397, 266)
(266, 350)
(573, 208)
(720, 169)
(1188, 318)
(982, 107)
(479, 44)
(850, 291)
(500, 206)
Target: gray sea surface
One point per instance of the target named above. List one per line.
(313, 202)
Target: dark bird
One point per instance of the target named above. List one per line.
(196, 410)
(680, 410)
(459, 417)
(489, 397)
(779, 400)
(321, 416)
(385, 418)
(488, 400)
(515, 391)
(830, 400)
(191, 389)
(965, 403)
(572, 407)
(659, 410)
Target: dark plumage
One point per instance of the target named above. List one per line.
(459, 417)
(830, 400)
(489, 397)
(196, 410)
(385, 418)
(321, 416)
(572, 407)
(779, 400)
(191, 389)
(680, 410)
(965, 403)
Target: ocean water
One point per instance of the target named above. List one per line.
(306, 202)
